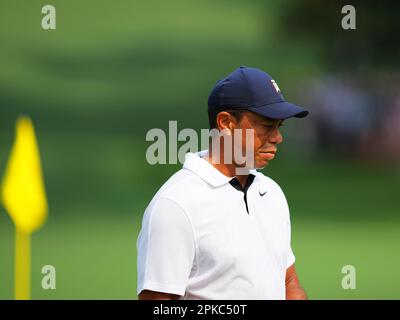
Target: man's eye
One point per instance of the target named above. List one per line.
(271, 126)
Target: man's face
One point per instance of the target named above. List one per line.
(266, 137)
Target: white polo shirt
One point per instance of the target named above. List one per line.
(200, 241)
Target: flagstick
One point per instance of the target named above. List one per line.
(22, 265)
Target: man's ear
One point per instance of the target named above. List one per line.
(224, 121)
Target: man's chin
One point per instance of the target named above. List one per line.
(261, 165)
(258, 165)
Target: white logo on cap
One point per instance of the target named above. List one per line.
(275, 86)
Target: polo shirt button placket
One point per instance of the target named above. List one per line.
(236, 184)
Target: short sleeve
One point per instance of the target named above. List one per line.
(166, 248)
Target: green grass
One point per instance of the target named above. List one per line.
(94, 257)
(323, 248)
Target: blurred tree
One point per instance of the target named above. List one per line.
(374, 42)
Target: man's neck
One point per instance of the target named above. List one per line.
(228, 170)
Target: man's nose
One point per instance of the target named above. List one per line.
(276, 136)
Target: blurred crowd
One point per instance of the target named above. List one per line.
(356, 115)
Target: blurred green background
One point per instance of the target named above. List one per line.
(113, 70)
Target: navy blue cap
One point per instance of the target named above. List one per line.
(254, 90)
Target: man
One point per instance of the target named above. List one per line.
(211, 232)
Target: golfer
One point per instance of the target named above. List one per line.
(218, 228)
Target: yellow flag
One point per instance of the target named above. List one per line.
(23, 196)
(23, 192)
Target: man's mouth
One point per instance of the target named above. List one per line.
(270, 154)
(273, 151)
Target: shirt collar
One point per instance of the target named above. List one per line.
(196, 163)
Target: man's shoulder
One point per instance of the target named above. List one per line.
(179, 186)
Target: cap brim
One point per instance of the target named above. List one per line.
(280, 110)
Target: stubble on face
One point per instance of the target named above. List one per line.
(266, 136)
